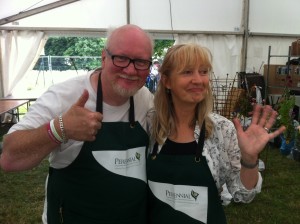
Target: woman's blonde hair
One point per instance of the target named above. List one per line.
(179, 58)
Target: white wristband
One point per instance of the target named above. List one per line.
(53, 129)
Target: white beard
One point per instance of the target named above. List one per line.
(125, 92)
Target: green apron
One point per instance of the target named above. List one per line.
(106, 183)
(181, 187)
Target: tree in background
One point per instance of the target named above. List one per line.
(161, 47)
(83, 52)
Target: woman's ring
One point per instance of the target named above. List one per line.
(267, 129)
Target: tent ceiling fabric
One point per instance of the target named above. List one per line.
(34, 11)
(13, 7)
(268, 16)
(267, 23)
(151, 15)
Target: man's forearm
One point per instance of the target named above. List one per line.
(23, 150)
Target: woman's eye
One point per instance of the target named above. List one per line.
(187, 72)
(203, 72)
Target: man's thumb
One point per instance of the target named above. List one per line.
(82, 99)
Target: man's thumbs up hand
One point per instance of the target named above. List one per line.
(80, 123)
(83, 99)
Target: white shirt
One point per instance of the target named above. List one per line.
(60, 97)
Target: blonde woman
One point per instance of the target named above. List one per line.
(194, 151)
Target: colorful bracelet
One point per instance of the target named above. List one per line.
(62, 129)
(50, 134)
(248, 165)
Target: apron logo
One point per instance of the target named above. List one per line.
(133, 160)
(138, 156)
(128, 163)
(194, 195)
(182, 196)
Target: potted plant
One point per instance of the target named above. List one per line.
(285, 110)
(244, 107)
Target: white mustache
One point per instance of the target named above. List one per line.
(130, 77)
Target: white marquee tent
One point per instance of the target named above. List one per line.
(238, 32)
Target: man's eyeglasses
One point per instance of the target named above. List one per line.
(123, 62)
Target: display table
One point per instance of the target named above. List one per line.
(12, 106)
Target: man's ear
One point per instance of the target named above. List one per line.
(103, 56)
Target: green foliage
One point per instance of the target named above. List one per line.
(161, 46)
(89, 49)
(74, 46)
(285, 110)
(245, 105)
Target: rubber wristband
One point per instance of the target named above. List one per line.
(53, 129)
(248, 165)
(50, 134)
(62, 129)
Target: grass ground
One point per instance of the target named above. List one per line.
(22, 195)
(279, 201)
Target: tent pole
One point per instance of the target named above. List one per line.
(128, 11)
(245, 24)
(1, 77)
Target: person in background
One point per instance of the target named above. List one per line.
(194, 151)
(93, 128)
(153, 77)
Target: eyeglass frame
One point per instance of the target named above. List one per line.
(130, 60)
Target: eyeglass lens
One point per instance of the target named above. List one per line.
(123, 62)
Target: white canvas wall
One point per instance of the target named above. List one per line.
(274, 16)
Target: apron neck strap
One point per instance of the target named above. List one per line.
(200, 144)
